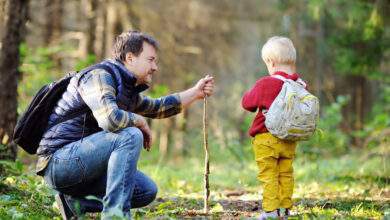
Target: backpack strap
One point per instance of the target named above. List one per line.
(98, 66)
(85, 109)
(300, 81)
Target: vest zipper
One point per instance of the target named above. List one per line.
(82, 134)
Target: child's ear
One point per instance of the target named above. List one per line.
(270, 62)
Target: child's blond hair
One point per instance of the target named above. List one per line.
(279, 50)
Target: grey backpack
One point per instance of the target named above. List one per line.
(293, 115)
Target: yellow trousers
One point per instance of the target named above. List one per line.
(274, 158)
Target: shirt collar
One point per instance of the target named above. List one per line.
(293, 76)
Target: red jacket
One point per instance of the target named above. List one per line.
(261, 97)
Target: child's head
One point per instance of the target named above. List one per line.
(279, 53)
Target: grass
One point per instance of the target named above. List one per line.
(353, 186)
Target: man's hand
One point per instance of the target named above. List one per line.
(141, 123)
(204, 87)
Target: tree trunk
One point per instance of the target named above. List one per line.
(53, 27)
(53, 30)
(178, 135)
(2, 18)
(101, 24)
(165, 127)
(91, 10)
(118, 21)
(16, 16)
(112, 26)
(359, 107)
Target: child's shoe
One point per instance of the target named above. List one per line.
(286, 213)
(270, 215)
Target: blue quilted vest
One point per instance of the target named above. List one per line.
(84, 125)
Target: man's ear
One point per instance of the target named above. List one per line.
(129, 57)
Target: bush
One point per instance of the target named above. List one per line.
(329, 139)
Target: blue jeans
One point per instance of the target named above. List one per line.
(103, 165)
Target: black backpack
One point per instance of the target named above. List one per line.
(33, 123)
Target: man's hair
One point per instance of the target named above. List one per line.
(131, 41)
(279, 50)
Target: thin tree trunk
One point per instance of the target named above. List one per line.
(359, 107)
(101, 30)
(16, 13)
(180, 128)
(91, 10)
(319, 56)
(165, 126)
(2, 18)
(118, 20)
(53, 30)
(111, 27)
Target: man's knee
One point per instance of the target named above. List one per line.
(153, 190)
(133, 134)
(149, 193)
(148, 197)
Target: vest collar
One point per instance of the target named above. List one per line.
(128, 77)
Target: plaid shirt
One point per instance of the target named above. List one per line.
(97, 91)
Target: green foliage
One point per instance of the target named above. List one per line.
(89, 60)
(158, 91)
(349, 186)
(377, 128)
(23, 195)
(38, 69)
(346, 187)
(328, 139)
(355, 36)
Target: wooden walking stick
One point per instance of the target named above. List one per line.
(206, 159)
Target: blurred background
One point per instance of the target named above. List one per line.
(342, 52)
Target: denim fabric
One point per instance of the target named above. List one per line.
(104, 165)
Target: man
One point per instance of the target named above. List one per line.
(96, 153)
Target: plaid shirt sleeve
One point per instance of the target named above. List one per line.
(162, 107)
(97, 90)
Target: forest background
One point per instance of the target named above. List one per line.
(343, 53)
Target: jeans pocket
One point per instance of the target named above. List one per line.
(66, 172)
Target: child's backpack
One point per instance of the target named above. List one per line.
(33, 123)
(293, 115)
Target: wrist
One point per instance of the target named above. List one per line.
(196, 93)
(138, 121)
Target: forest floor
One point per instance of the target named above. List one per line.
(353, 186)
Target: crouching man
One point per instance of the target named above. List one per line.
(96, 153)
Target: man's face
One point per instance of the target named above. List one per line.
(144, 65)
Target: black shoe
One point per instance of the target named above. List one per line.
(65, 210)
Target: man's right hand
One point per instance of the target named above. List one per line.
(142, 124)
